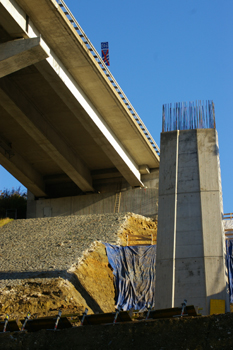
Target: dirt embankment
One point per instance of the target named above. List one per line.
(91, 285)
(139, 225)
(96, 277)
(86, 278)
(41, 299)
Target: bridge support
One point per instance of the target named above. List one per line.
(190, 260)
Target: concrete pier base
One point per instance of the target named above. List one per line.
(190, 244)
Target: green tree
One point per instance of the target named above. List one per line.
(13, 204)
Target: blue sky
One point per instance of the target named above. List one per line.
(164, 51)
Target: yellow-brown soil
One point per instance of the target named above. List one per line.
(41, 299)
(89, 283)
(138, 225)
(5, 221)
(96, 276)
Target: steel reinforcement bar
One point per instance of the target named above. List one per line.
(186, 116)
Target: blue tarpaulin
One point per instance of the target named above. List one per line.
(134, 271)
(229, 249)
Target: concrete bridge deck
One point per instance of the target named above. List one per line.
(63, 123)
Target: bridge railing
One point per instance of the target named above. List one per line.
(107, 72)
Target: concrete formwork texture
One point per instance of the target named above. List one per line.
(190, 244)
(143, 201)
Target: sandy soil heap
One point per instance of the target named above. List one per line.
(61, 263)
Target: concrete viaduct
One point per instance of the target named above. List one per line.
(70, 135)
(64, 120)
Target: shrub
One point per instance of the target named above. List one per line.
(13, 204)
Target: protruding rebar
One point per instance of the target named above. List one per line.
(185, 116)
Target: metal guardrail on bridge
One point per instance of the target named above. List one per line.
(112, 80)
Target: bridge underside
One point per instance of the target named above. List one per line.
(62, 125)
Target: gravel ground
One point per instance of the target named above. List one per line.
(48, 247)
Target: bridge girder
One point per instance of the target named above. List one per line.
(116, 135)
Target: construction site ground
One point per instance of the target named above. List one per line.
(199, 333)
(61, 263)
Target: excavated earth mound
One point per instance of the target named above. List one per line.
(61, 263)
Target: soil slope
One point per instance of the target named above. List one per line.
(61, 263)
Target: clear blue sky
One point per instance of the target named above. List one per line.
(164, 51)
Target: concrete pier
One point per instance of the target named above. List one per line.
(190, 245)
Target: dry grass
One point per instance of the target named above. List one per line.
(5, 221)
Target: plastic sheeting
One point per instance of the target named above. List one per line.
(134, 271)
(229, 249)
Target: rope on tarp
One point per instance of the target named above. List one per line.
(134, 272)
